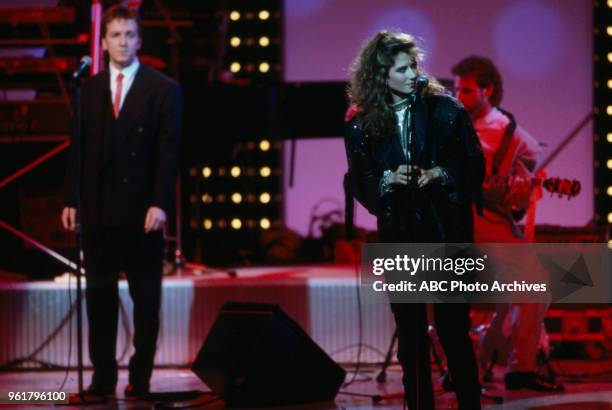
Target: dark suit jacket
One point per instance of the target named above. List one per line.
(440, 212)
(128, 164)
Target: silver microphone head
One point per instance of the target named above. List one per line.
(85, 63)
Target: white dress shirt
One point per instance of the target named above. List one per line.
(129, 73)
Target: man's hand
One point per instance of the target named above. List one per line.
(69, 218)
(155, 219)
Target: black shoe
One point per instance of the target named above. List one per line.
(531, 381)
(100, 390)
(134, 391)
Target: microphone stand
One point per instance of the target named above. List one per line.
(410, 124)
(412, 194)
(80, 397)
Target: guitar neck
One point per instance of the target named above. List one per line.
(563, 187)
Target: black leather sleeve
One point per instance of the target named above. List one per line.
(364, 176)
(465, 164)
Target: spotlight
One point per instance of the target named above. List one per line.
(265, 172)
(207, 199)
(609, 109)
(610, 57)
(264, 41)
(264, 15)
(264, 145)
(610, 190)
(264, 198)
(264, 223)
(236, 223)
(234, 15)
(264, 67)
(610, 217)
(235, 67)
(236, 198)
(235, 171)
(235, 41)
(609, 164)
(207, 224)
(206, 171)
(609, 30)
(609, 137)
(610, 83)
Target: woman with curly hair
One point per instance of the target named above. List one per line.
(415, 162)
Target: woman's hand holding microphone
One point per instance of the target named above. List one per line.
(405, 174)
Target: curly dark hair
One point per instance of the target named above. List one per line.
(486, 74)
(368, 89)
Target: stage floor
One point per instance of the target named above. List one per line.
(591, 393)
(322, 299)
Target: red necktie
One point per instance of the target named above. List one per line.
(117, 99)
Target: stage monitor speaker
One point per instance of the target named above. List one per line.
(255, 355)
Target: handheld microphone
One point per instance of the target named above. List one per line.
(85, 63)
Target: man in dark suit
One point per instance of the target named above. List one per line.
(129, 148)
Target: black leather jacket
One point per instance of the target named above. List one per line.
(440, 212)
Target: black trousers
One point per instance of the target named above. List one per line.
(108, 251)
(452, 325)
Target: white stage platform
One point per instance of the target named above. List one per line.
(323, 299)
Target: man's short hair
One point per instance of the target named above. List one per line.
(120, 12)
(486, 74)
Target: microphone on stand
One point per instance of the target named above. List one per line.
(85, 63)
(419, 84)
